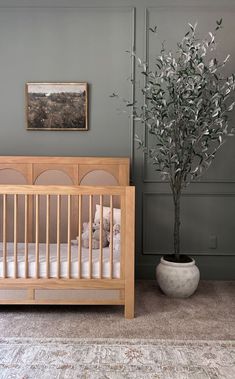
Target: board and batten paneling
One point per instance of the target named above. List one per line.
(204, 226)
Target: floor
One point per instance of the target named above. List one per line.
(208, 315)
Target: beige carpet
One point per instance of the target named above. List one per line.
(208, 315)
(33, 358)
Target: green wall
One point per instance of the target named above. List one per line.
(72, 40)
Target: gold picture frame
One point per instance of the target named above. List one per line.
(57, 106)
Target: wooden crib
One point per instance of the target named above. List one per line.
(42, 258)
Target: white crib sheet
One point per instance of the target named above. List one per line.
(63, 261)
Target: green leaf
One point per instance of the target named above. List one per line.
(153, 30)
(230, 108)
(192, 27)
(114, 95)
(215, 113)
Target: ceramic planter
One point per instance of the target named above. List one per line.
(177, 279)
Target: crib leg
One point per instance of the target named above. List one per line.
(129, 311)
(130, 253)
(129, 298)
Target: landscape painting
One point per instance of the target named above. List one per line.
(56, 106)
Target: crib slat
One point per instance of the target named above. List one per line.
(111, 237)
(90, 236)
(101, 238)
(4, 236)
(26, 204)
(79, 234)
(58, 235)
(37, 236)
(48, 236)
(69, 237)
(15, 233)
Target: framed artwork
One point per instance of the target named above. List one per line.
(56, 106)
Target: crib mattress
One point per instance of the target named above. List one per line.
(63, 261)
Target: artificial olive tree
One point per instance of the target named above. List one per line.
(186, 112)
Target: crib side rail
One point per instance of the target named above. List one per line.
(31, 197)
(60, 190)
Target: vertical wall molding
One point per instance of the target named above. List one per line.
(133, 79)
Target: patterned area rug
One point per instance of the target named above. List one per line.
(47, 358)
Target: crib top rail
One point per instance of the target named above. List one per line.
(62, 190)
(64, 160)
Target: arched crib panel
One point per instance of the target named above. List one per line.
(109, 174)
(55, 174)
(98, 177)
(12, 176)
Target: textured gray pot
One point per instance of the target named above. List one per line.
(177, 279)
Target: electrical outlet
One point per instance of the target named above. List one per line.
(213, 241)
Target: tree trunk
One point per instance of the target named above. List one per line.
(177, 226)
